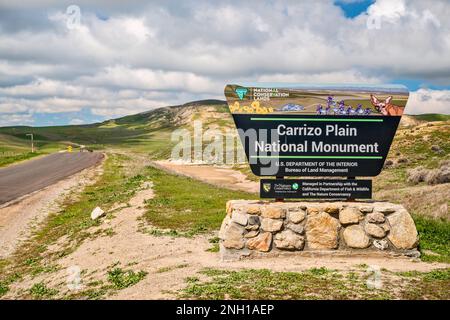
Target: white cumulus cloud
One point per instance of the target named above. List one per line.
(131, 57)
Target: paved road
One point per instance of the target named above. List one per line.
(24, 178)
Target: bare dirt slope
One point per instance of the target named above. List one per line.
(222, 176)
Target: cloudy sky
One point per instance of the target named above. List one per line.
(123, 57)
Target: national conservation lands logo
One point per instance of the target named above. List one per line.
(241, 92)
(266, 187)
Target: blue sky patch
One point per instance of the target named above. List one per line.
(353, 8)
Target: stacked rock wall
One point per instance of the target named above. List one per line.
(270, 227)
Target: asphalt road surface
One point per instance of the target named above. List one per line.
(24, 178)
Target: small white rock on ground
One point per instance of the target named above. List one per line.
(97, 213)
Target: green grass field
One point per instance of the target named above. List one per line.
(18, 148)
(316, 283)
(187, 206)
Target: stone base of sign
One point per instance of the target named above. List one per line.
(260, 228)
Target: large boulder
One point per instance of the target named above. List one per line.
(239, 218)
(355, 237)
(297, 216)
(261, 243)
(273, 212)
(289, 240)
(233, 236)
(350, 215)
(403, 233)
(374, 230)
(271, 225)
(376, 217)
(297, 228)
(322, 231)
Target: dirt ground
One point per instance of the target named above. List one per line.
(219, 176)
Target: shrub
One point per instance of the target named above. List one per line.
(430, 176)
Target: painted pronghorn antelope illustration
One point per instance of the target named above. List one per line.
(386, 107)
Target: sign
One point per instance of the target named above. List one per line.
(316, 189)
(316, 130)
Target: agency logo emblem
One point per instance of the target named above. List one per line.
(295, 186)
(241, 92)
(266, 187)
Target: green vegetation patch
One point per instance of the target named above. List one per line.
(171, 268)
(432, 117)
(438, 274)
(434, 236)
(187, 205)
(116, 279)
(5, 160)
(114, 186)
(316, 283)
(215, 244)
(41, 291)
(122, 279)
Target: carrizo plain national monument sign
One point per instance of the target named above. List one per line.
(317, 131)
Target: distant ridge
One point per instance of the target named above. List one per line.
(203, 102)
(430, 117)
